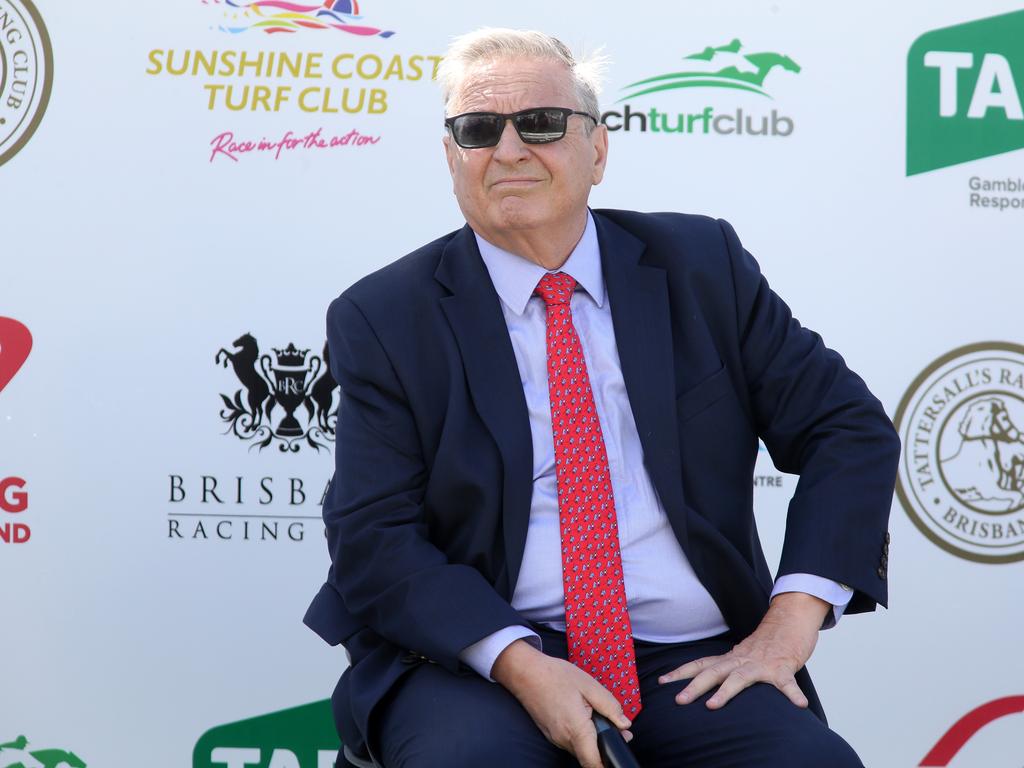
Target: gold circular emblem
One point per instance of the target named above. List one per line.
(961, 477)
(26, 74)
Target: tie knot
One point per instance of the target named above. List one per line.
(556, 288)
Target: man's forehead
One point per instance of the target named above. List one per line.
(509, 83)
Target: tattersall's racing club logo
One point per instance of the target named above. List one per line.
(26, 74)
(961, 477)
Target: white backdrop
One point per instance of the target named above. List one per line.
(133, 257)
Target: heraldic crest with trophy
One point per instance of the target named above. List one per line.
(287, 397)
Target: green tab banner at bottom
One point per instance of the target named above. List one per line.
(301, 737)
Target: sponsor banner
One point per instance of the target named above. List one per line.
(715, 74)
(13, 501)
(20, 753)
(967, 727)
(15, 344)
(26, 74)
(325, 65)
(221, 170)
(283, 398)
(301, 737)
(961, 476)
(964, 93)
(291, 378)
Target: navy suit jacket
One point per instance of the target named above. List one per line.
(428, 510)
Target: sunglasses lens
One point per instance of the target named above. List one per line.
(541, 125)
(477, 130)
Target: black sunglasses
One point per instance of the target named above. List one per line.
(540, 125)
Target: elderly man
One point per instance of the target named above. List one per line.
(543, 502)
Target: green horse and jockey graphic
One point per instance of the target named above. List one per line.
(724, 66)
(16, 754)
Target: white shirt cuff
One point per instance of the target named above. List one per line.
(481, 655)
(824, 589)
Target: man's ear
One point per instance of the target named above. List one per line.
(599, 137)
(449, 153)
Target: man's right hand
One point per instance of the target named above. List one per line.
(560, 697)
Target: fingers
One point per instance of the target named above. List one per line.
(733, 676)
(584, 745)
(739, 679)
(688, 670)
(792, 690)
(713, 674)
(602, 700)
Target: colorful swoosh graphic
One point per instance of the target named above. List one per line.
(968, 725)
(281, 16)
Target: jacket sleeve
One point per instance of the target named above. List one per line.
(818, 420)
(389, 574)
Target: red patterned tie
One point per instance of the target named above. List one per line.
(596, 621)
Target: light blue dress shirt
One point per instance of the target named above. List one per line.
(667, 603)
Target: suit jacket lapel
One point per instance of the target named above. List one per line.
(643, 335)
(474, 313)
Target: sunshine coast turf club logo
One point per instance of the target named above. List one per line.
(280, 16)
(274, 389)
(961, 477)
(727, 68)
(26, 74)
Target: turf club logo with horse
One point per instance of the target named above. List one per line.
(18, 754)
(961, 475)
(267, 408)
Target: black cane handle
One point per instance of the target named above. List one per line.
(613, 748)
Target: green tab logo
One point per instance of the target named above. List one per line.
(964, 93)
(301, 737)
(18, 754)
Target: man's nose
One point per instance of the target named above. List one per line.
(510, 148)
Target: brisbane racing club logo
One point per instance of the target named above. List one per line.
(17, 753)
(273, 390)
(277, 16)
(26, 74)
(725, 67)
(961, 476)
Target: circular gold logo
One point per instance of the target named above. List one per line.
(961, 477)
(26, 74)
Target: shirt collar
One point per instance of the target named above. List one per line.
(516, 278)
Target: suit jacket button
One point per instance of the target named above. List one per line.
(881, 571)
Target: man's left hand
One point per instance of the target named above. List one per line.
(777, 649)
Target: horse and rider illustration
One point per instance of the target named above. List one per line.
(15, 754)
(724, 66)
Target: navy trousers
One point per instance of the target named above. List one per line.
(435, 718)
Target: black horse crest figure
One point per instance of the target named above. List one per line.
(291, 378)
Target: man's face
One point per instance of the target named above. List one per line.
(514, 187)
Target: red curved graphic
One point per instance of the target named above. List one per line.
(15, 344)
(968, 725)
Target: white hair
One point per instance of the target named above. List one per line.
(494, 43)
